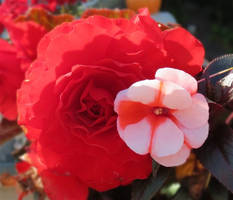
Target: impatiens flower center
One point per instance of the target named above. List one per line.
(160, 111)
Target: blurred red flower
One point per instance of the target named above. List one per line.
(25, 32)
(11, 77)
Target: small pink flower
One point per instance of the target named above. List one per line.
(165, 117)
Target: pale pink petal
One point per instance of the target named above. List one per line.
(121, 96)
(196, 115)
(167, 139)
(175, 96)
(179, 77)
(137, 136)
(145, 91)
(196, 137)
(173, 160)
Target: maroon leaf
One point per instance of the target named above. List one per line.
(217, 82)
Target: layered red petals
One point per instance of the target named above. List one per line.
(66, 101)
(25, 36)
(187, 54)
(11, 77)
(62, 187)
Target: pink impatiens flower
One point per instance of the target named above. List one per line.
(165, 117)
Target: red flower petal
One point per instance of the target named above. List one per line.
(11, 77)
(22, 167)
(60, 187)
(184, 51)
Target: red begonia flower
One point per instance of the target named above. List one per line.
(11, 77)
(25, 36)
(66, 101)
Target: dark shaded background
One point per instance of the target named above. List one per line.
(213, 21)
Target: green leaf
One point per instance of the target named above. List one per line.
(171, 189)
(147, 189)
